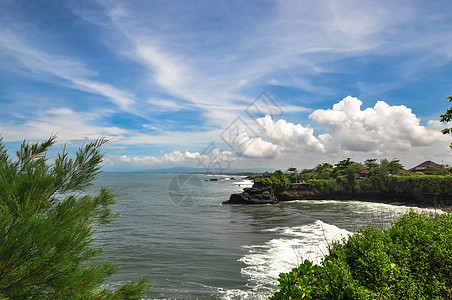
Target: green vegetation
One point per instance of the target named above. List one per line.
(47, 224)
(293, 173)
(348, 177)
(278, 182)
(410, 260)
(447, 117)
(345, 172)
(371, 177)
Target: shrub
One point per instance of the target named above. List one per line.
(410, 260)
(299, 282)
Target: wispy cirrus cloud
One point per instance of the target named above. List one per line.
(299, 39)
(40, 62)
(69, 126)
(165, 105)
(72, 72)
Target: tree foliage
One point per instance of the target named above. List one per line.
(394, 166)
(47, 224)
(293, 173)
(370, 163)
(447, 117)
(278, 182)
(346, 172)
(410, 260)
(324, 171)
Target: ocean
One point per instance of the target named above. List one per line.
(172, 229)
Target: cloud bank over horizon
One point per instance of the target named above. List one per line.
(382, 131)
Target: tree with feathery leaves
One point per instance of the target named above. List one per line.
(47, 224)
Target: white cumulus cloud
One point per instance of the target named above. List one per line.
(383, 128)
(284, 133)
(254, 147)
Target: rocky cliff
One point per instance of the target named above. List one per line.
(259, 194)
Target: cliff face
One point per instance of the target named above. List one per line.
(259, 194)
(263, 195)
(297, 191)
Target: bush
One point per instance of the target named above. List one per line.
(410, 260)
(47, 223)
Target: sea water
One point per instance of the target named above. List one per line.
(172, 229)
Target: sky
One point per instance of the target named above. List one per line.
(230, 84)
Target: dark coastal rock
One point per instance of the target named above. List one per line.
(259, 194)
(252, 196)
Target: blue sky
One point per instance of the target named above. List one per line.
(229, 84)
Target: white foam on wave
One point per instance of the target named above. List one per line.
(237, 294)
(312, 240)
(293, 245)
(246, 183)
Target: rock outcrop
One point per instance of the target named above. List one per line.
(254, 195)
(259, 194)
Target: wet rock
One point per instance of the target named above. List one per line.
(252, 196)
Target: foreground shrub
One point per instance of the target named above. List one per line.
(410, 260)
(46, 226)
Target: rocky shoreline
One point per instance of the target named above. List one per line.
(259, 194)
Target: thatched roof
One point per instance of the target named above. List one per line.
(425, 165)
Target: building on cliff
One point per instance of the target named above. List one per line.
(425, 165)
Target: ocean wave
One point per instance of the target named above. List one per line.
(291, 247)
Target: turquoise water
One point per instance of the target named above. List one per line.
(173, 230)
